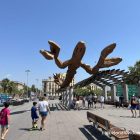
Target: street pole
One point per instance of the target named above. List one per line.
(37, 86)
(27, 71)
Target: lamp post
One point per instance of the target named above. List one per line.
(37, 85)
(27, 71)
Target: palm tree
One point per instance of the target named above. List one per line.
(11, 87)
(8, 86)
(4, 84)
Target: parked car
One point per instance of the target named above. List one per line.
(26, 99)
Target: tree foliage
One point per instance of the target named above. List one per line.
(81, 91)
(10, 87)
(134, 74)
(33, 88)
(6, 85)
(86, 91)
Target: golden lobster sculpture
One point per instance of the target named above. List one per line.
(76, 61)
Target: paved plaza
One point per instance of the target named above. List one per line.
(67, 125)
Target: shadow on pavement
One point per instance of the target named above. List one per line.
(87, 134)
(29, 129)
(25, 129)
(53, 109)
(18, 112)
(92, 133)
(126, 116)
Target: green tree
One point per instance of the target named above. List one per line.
(5, 84)
(86, 91)
(11, 87)
(1, 90)
(98, 92)
(33, 88)
(134, 74)
(81, 91)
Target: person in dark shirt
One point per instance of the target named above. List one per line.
(121, 99)
(34, 115)
(133, 106)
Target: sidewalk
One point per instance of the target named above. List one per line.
(69, 125)
(60, 125)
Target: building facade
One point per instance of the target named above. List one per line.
(50, 87)
(19, 85)
(94, 87)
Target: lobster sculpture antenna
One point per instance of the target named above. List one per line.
(76, 61)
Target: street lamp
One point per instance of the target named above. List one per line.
(37, 85)
(27, 71)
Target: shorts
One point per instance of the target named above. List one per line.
(44, 114)
(35, 119)
(5, 126)
(133, 107)
(95, 102)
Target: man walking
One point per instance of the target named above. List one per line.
(102, 101)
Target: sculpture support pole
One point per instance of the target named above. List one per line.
(105, 92)
(113, 91)
(63, 97)
(67, 104)
(66, 97)
(125, 92)
(70, 96)
(64, 94)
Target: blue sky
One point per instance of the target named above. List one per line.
(27, 25)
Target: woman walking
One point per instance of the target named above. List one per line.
(4, 120)
(43, 111)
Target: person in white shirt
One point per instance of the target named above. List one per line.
(43, 111)
(95, 99)
(117, 101)
(102, 101)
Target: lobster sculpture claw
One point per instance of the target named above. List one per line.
(76, 61)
